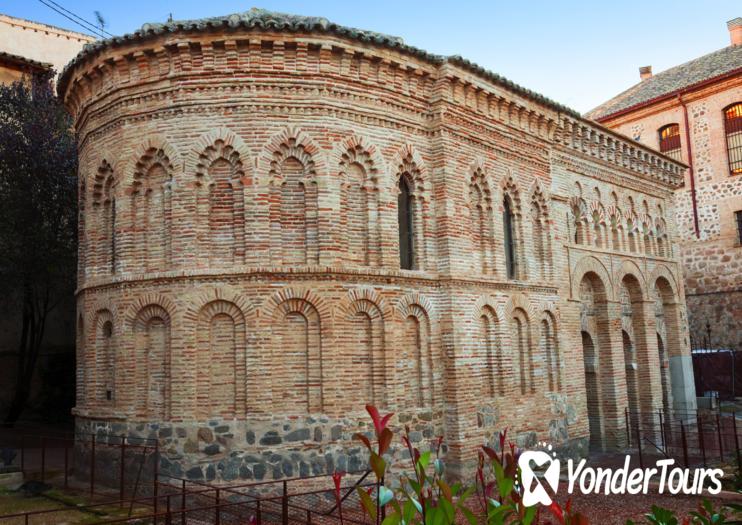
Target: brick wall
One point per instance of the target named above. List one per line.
(239, 230)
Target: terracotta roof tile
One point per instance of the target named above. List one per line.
(17, 59)
(721, 62)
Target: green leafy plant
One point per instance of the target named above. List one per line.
(705, 515)
(708, 515)
(424, 497)
(659, 516)
(421, 498)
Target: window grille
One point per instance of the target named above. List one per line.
(507, 221)
(670, 141)
(406, 225)
(733, 130)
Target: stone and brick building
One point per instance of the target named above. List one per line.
(693, 112)
(283, 219)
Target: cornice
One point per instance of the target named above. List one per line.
(256, 22)
(213, 56)
(381, 277)
(622, 178)
(619, 152)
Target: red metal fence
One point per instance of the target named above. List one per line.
(119, 478)
(692, 438)
(121, 472)
(103, 465)
(718, 371)
(180, 501)
(295, 500)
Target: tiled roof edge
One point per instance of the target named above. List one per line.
(664, 96)
(268, 20)
(30, 61)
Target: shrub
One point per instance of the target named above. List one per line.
(495, 498)
(426, 498)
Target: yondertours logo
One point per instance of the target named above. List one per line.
(541, 469)
(533, 491)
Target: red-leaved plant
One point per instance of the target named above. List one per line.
(422, 498)
(426, 498)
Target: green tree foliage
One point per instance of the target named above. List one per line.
(38, 217)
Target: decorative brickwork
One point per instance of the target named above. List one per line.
(250, 274)
(712, 261)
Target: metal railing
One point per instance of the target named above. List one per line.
(692, 437)
(180, 501)
(105, 465)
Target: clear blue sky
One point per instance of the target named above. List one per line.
(578, 53)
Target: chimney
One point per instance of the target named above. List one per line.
(735, 31)
(645, 72)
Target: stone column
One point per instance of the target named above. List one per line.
(681, 363)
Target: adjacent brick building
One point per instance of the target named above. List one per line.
(282, 219)
(14, 68)
(37, 44)
(693, 112)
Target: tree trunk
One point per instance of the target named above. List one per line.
(32, 335)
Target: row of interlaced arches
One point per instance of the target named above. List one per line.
(148, 215)
(219, 206)
(620, 226)
(498, 218)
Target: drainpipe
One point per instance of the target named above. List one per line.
(690, 166)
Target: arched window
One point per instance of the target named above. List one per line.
(733, 130)
(150, 368)
(104, 204)
(490, 356)
(103, 355)
(151, 211)
(297, 378)
(541, 234)
(113, 235)
(294, 212)
(405, 218)
(670, 140)
(578, 211)
(550, 349)
(108, 360)
(508, 221)
(359, 208)
(480, 205)
(521, 338)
